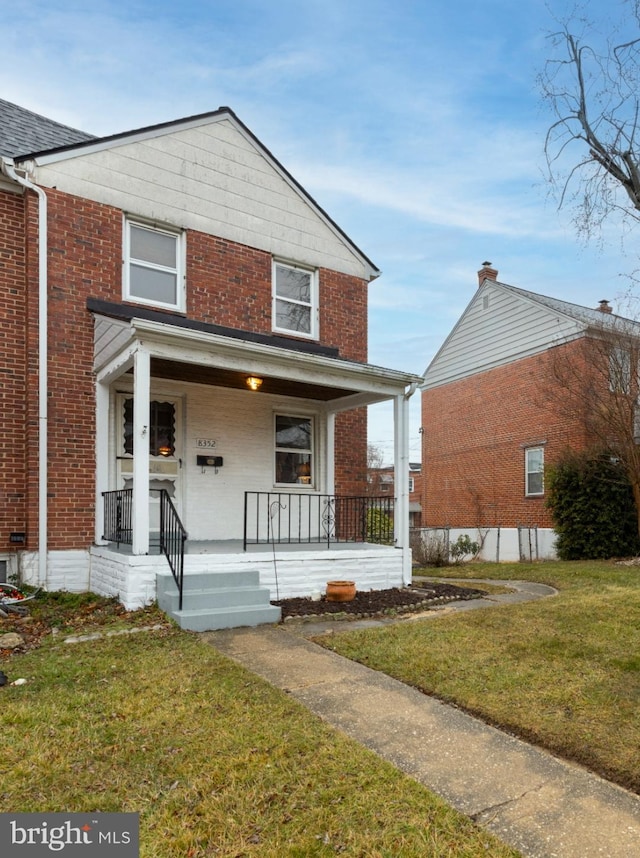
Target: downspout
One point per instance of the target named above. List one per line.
(7, 167)
(401, 477)
(412, 389)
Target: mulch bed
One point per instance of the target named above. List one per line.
(375, 603)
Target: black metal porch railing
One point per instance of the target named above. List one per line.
(172, 539)
(118, 508)
(285, 517)
(118, 528)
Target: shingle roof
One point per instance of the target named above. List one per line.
(586, 315)
(23, 132)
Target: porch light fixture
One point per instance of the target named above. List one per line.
(253, 382)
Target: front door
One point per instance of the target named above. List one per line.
(165, 451)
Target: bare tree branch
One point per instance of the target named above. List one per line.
(593, 89)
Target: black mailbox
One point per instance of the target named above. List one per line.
(209, 461)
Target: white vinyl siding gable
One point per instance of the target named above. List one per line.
(497, 327)
(212, 178)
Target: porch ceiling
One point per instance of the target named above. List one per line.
(219, 377)
(191, 352)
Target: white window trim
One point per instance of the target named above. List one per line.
(311, 485)
(527, 472)
(180, 304)
(313, 305)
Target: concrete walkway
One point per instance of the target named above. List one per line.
(532, 801)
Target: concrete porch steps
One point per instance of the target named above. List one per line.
(216, 600)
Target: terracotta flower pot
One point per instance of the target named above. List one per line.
(340, 591)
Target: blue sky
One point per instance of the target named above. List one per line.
(417, 124)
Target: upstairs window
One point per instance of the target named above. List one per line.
(620, 370)
(295, 303)
(534, 471)
(153, 266)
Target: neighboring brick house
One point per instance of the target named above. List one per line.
(382, 483)
(166, 268)
(493, 416)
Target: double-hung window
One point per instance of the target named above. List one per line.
(153, 266)
(293, 450)
(620, 370)
(534, 471)
(295, 300)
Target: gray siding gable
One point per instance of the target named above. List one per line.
(207, 173)
(503, 324)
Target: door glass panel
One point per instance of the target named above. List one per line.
(162, 431)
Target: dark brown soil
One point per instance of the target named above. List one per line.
(380, 602)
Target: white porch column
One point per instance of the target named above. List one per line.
(330, 453)
(102, 457)
(401, 482)
(141, 396)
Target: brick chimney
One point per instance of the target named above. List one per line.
(487, 273)
(604, 306)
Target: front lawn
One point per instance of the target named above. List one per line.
(562, 672)
(215, 760)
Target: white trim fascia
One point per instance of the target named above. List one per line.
(357, 400)
(125, 139)
(115, 367)
(12, 187)
(191, 346)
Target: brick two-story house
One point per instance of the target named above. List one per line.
(382, 483)
(185, 346)
(496, 411)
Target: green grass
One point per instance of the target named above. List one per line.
(562, 672)
(216, 761)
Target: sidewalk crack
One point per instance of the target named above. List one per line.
(494, 809)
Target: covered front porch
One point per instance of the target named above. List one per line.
(238, 440)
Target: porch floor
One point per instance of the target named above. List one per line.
(235, 546)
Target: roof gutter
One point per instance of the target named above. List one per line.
(7, 167)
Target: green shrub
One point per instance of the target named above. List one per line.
(379, 527)
(592, 505)
(463, 546)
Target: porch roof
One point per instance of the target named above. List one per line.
(208, 354)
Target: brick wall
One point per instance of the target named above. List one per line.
(351, 452)
(13, 500)
(239, 278)
(475, 434)
(227, 283)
